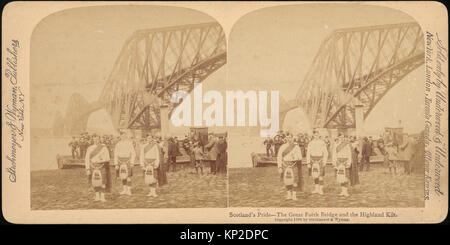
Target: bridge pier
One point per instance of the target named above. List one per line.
(164, 116)
(359, 120)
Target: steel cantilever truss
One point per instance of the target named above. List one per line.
(154, 64)
(357, 65)
(77, 114)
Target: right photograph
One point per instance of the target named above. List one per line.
(350, 80)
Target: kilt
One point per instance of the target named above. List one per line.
(317, 167)
(126, 161)
(342, 175)
(98, 177)
(149, 162)
(290, 174)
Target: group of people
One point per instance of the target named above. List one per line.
(156, 157)
(396, 153)
(273, 144)
(213, 151)
(79, 144)
(343, 157)
(98, 159)
(343, 153)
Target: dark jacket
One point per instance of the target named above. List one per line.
(212, 149)
(222, 146)
(172, 149)
(367, 148)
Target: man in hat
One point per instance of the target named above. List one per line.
(354, 177)
(341, 160)
(150, 161)
(74, 147)
(277, 142)
(124, 158)
(172, 153)
(268, 142)
(198, 157)
(164, 160)
(366, 153)
(83, 146)
(289, 157)
(97, 168)
(213, 151)
(408, 149)
(391, 157)
(316, 158)
(222, 155)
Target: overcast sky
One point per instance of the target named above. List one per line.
(74, 50)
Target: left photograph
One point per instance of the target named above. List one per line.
(104, 83)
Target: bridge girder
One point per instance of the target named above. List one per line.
(77, 114)
(362, 63)
(155, 63)
(357, 63)
(371, 93)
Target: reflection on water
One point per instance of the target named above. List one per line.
(240, 149)
(45, 149)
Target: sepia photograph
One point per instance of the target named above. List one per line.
(224, 113)
(102, 81)
(350, 81)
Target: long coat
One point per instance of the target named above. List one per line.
(172, 149)
(222, 156)
(408, 149)
(354, 177)
(213, 150)
(366, 149)
(162, 169)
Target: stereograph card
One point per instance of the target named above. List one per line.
(225, 112)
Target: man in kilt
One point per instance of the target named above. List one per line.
(150, 161)
(342, 156)
(97, 168)
(289, 156)
(124, 158)
(316, 158)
